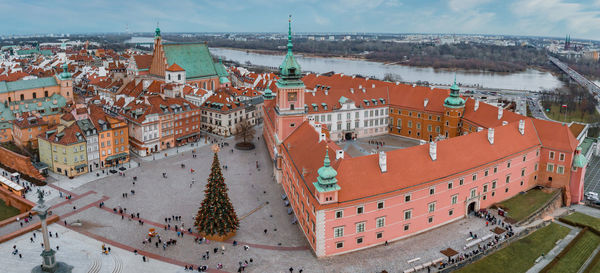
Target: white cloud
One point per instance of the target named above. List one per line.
(465, 5)
(576, 18)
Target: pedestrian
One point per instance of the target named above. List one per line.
(144, 258)
(291, 269)
(34, 232)
(57, 248)
(56, 233)
(20, 256)
(265, 231)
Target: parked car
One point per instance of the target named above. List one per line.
(592, 196)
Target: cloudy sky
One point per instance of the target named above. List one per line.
(579, 18)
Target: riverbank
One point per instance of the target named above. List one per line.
(363, 58)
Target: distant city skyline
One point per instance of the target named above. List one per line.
(555, 18)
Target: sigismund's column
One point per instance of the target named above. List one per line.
(49, 263)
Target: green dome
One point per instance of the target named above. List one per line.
(454, 100)
(268, 95)
(65, 74)
(157, 32)
(290, 69)
(579, 161)
(326, 180)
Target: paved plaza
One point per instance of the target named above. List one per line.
(372, 145)
(256, 198)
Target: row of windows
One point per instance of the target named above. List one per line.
(410, 114)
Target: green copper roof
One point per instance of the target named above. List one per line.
(268, 95)
(579, 161)
(586, 144)
(454, 100)
(27, 84)
(290, 69)
(223, 80)
(194, 58)
(157, 32)
(48, 106)
(326, 180)
(221, 70)
(65, 74)
(44, 52)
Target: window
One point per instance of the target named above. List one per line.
(522, 172)
(406, 227)
(454, 199)
(494, 184)
(359, 240)
(431, 207)
(521, 182)
(486, 172)
(360, 210)
(431, 191)
(407, 214)
(484, 197)
(338, 244)
(474, 177)
(450, 185)
(379, 235)
(461, 181)
(339, 214)
(535, 168)
(551, 155)
(537, 152)
(380, 222)
(430, 219)
(524, 158)
(473, 192)
(561, 157)
(380, 205)
(508, 164)
(495, 169)
(506, 190)
(550, 167)
(407, 198)
(485, 188)
(360, 227)
(338, 232)
(507, 179)
(560, 169)
(450, 212)
(409, 124)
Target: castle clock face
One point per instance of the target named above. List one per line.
(292, 96)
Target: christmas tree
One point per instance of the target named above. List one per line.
(216, 216)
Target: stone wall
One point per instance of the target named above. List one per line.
(15, 162)
(15, 201)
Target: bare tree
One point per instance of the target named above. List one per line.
(244, 131)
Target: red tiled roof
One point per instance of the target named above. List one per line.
(555, 135)
(175, 68)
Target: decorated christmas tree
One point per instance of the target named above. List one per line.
(216, 217)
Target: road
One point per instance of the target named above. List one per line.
(581, 80)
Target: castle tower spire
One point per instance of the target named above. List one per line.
(290, 69)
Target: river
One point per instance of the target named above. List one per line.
(531, 79)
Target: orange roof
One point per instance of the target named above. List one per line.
(355, 174)
(143, 61)
(555, 135)
(486, 115)
(576, 128)
(175, 68)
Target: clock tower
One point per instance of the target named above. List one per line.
(290, 93)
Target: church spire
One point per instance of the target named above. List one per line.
(290, 69)
(454, 100)
(157, 31)
(289, 44)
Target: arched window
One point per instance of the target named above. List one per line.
(22, 97)
(178, 77)
(212, 85)
(34, 95)
(169, 76)
(46, 93)
(204, 85)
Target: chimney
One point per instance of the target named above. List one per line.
(491, 135)
(500, 109)
(372, 85)
(522, 127)
(476, 105)
(360, 86)
(479, 129)
(311, 121)
(425, 102)
(433, 150)
(397, 83)
(339, 154)
(326, 92)
(322, 137)
(422, 142)
(364, 90)
(504, 122)
(382, 161)
(414, 85)
(352, 90)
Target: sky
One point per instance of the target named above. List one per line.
(557, 18)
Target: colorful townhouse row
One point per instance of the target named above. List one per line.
(471, 156)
